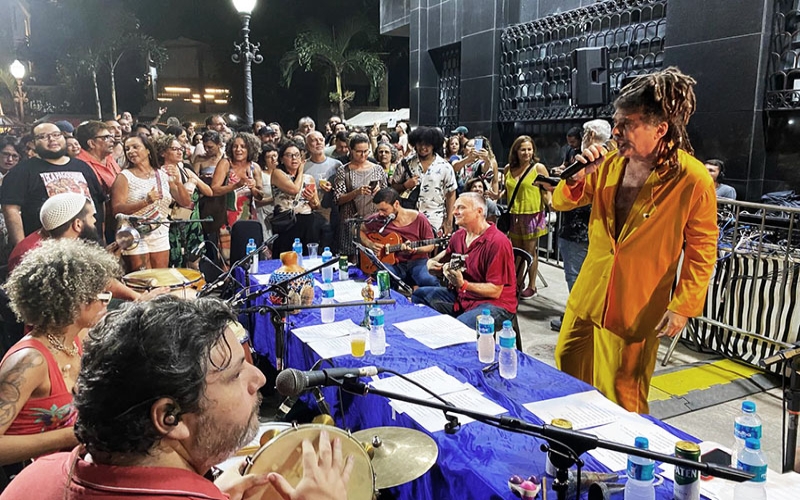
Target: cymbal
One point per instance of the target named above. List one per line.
(399, 454)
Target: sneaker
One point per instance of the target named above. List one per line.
(555, 324)
(528, 294)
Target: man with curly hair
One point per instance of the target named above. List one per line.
(164, 393)
(58, 290)
(653, 204)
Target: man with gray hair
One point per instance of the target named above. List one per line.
(573, 232)
(479, 266)
(305, 125)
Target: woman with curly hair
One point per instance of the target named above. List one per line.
(529, 211)
(235, 177)
(182, 237)
(38, 372)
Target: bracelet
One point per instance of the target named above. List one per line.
(463, 288)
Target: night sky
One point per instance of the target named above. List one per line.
(275, 24)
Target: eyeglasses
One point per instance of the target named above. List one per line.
(48, 137)
(104, 137)
(13, 156)
(176, 149)
(292, 155)
(104, 297)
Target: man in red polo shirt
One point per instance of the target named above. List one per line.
(97, 148)
(488, 280)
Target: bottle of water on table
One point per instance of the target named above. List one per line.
(746, 425)
(297, 247)
(250, 248)
(327, 271)
(328, 313)
(752, 459)
(377, 333)
(485, 337)
(508, 351)
(640, 474)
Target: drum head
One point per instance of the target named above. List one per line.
(255, 444)
(171, 277)
(284, 455)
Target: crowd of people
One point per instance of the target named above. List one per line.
(160, 373)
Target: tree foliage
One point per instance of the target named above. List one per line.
(339, 51)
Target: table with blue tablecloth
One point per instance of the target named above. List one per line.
(475, 462)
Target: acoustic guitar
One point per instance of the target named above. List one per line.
(386, 254)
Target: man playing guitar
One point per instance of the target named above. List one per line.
(412, 227)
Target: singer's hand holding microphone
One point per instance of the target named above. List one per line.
(585, 163)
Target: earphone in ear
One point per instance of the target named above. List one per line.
(170, 420)
(173, 415)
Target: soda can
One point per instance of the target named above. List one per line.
(561, 423)
(687, 481)
(343, 268)
(384, 284)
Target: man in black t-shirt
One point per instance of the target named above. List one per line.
(33, 181)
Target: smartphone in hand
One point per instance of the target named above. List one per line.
(373, 185)
(478, 144)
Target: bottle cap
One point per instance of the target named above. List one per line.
(251, 240)
(507, 324)
(326, 249)
(752, 444)
(297, 240)
(748, 407)
(642, 443)
(486, 312)
(327, 280)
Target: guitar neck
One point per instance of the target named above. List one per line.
(414, 244)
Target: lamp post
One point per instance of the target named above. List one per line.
(20, 97)
(247, 53)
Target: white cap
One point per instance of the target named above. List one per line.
(60, 209)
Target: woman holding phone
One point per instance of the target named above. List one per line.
(355, 185)
(479, 162)
(529, 210)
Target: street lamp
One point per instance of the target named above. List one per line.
(247, 53)
(20, 97)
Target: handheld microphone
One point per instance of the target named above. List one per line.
(288, 403)
(389, 219)
(133, 219)
(578, 166)
(291, 382)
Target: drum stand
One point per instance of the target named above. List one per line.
(563, 446)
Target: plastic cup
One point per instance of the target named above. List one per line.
(358, 343)
(312, 250)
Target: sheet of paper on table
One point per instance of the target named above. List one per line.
(310, 263)
(437, 331)
(624, 431)
(434, 420)
(326, 330)
(331, 348)
(261, 279)
(583, 409)
(350, 291)
(433, 378)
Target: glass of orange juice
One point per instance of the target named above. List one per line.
(358, 342)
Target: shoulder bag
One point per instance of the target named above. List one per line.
(504, 221)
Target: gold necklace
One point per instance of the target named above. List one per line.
(58, 345)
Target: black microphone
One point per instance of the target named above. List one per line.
(578, 166)
(288, 403)
(197, 252)
(389, 219)
(291, 382)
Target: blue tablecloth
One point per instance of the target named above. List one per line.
(474, 463)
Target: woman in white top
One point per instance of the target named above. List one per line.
(145, 190)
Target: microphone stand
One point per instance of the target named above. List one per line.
(565, 446)
(381, 266)
(229, 273)
(791, 403)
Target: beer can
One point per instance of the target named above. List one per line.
(344, 264)
(384, 284)
(561, 423)
(687, 481)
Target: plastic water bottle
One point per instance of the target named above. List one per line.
(746, 425)
(377, 334)
(508, 351)
(640, 475)
(297, 247)
(250, 248)
(328, 313)
(485, 337)
(327, 272)
(752, 459)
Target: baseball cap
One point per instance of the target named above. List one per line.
(60, 209)
(65, 126)
(266, 131)
(461, 129)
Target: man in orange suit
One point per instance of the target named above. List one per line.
(652, 203)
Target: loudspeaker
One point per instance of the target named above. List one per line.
(590, 76)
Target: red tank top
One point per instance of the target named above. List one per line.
(49, 413)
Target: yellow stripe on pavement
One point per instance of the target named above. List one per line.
(681, 382)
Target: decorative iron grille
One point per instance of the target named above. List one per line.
(448, 64)
(783, 84)
(536, 63)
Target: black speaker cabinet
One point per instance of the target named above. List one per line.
(590, 76)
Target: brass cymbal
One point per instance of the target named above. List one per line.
(400, 454)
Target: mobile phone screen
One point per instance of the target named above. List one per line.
(478, 144)
(373, 184)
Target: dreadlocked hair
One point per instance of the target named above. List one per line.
(665, 96)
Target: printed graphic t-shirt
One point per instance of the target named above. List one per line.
(33, 181)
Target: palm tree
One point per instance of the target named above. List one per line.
(334, 49)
